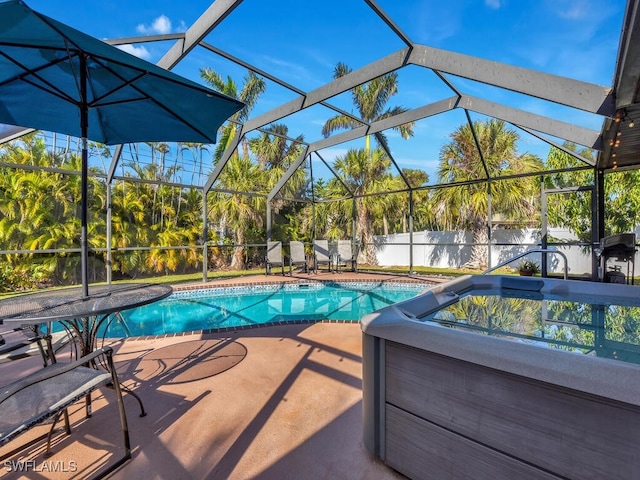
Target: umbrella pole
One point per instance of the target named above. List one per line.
(84, 174)
(84, 249)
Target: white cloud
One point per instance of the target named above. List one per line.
(160, 25)
(182, 27)
(493, 4)
(574, 9)
(138, 51)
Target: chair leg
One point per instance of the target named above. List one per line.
(67, 425)
(47, 452)
(123, 420)
(143, 412)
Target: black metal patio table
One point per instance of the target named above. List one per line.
(80, 314)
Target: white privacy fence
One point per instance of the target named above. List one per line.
(453, 249)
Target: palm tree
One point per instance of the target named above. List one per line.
(241, 211)
(168, 259)
(274, 154)
(364, 173)
(467, 207)
(621, 189)
(249, 94)
(129, 226)
(196, 150)
(370, 100)
(38, 210)
(423, 218)
(238, 210)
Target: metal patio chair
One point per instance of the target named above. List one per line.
(297, 256)
(29, 340)
(346, 255)
(46, 393)
(274, 257)
(25, 341)
(321, 254)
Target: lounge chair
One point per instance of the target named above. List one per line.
(297, 256)
(274, 256)
(321, 254)
(346, 255)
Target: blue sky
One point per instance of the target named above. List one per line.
(301, 42)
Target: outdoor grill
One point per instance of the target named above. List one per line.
(619, 248)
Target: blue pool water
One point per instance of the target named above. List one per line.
(232, 307)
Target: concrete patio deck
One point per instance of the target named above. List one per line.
(266, 403)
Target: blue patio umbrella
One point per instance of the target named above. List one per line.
(56, 78)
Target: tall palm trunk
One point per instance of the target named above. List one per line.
(237, 262)
(364, 227)
(479, 250)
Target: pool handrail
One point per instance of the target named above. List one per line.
(524, 254)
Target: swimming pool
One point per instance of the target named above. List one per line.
(216, 309)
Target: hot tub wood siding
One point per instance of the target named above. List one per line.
(451, 419)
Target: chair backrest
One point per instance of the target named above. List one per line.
(274, 252)
(296, 250)
(344, 250)
(321, 250)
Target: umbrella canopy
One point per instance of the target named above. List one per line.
(45, 66)
(56, 78)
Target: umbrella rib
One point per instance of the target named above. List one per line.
(125, 83)
(77, 49)
(83, 61)
(145, 95)
(97, 99)
(52, 89)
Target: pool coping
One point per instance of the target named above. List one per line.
(285, 280)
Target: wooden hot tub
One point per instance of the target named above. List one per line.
(453, 391)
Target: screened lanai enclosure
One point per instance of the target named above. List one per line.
(409, 136)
